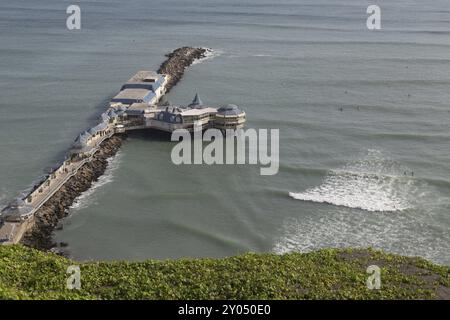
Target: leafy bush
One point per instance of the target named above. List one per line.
(325, 274)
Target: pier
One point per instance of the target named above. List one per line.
(135, 107)
(19, 215)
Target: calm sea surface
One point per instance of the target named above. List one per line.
(358, 112)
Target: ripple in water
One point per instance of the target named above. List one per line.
(373, 183)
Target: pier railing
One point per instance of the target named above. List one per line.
(50, 186)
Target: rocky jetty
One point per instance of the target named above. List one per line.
(178, 61)
(48, 216)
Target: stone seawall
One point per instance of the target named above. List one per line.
(39, 232)
(46, 219)
(178, 61)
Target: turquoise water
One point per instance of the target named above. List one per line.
(291, 65)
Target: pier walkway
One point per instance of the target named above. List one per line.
(124, 114)
(12, 231)
(69, 171)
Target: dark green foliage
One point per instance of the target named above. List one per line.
(325, 274)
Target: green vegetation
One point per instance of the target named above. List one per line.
(325, 274)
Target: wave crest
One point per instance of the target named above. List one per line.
(373, 183)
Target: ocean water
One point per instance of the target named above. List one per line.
(363, 117)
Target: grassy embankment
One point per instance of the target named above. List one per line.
(325, 274)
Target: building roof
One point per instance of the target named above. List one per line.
(230, 110)
(102, 126)
(83, 138)
(197, 102)
(112, 114)
(132, 94)
(138, 106)
(197, 112)
(134, 111)
(144, 76)
(105, 116)
(81, 143)
(148, 80)
(120, 110)
(171, 114)
(172, 109)
(99, 127)
(115, 105)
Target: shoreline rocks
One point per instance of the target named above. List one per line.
(178, 61)
(48, 217)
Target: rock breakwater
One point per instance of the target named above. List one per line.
(39, 234)
(178, 61)
(46, 219)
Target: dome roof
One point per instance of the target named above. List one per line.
(229, 110)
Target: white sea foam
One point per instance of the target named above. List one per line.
(86, 198)
(418, 234)
(373, 183)
(209, 55)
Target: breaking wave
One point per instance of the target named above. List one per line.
(209, 55)
(86, 198)
(373, 183)
(412, 235)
